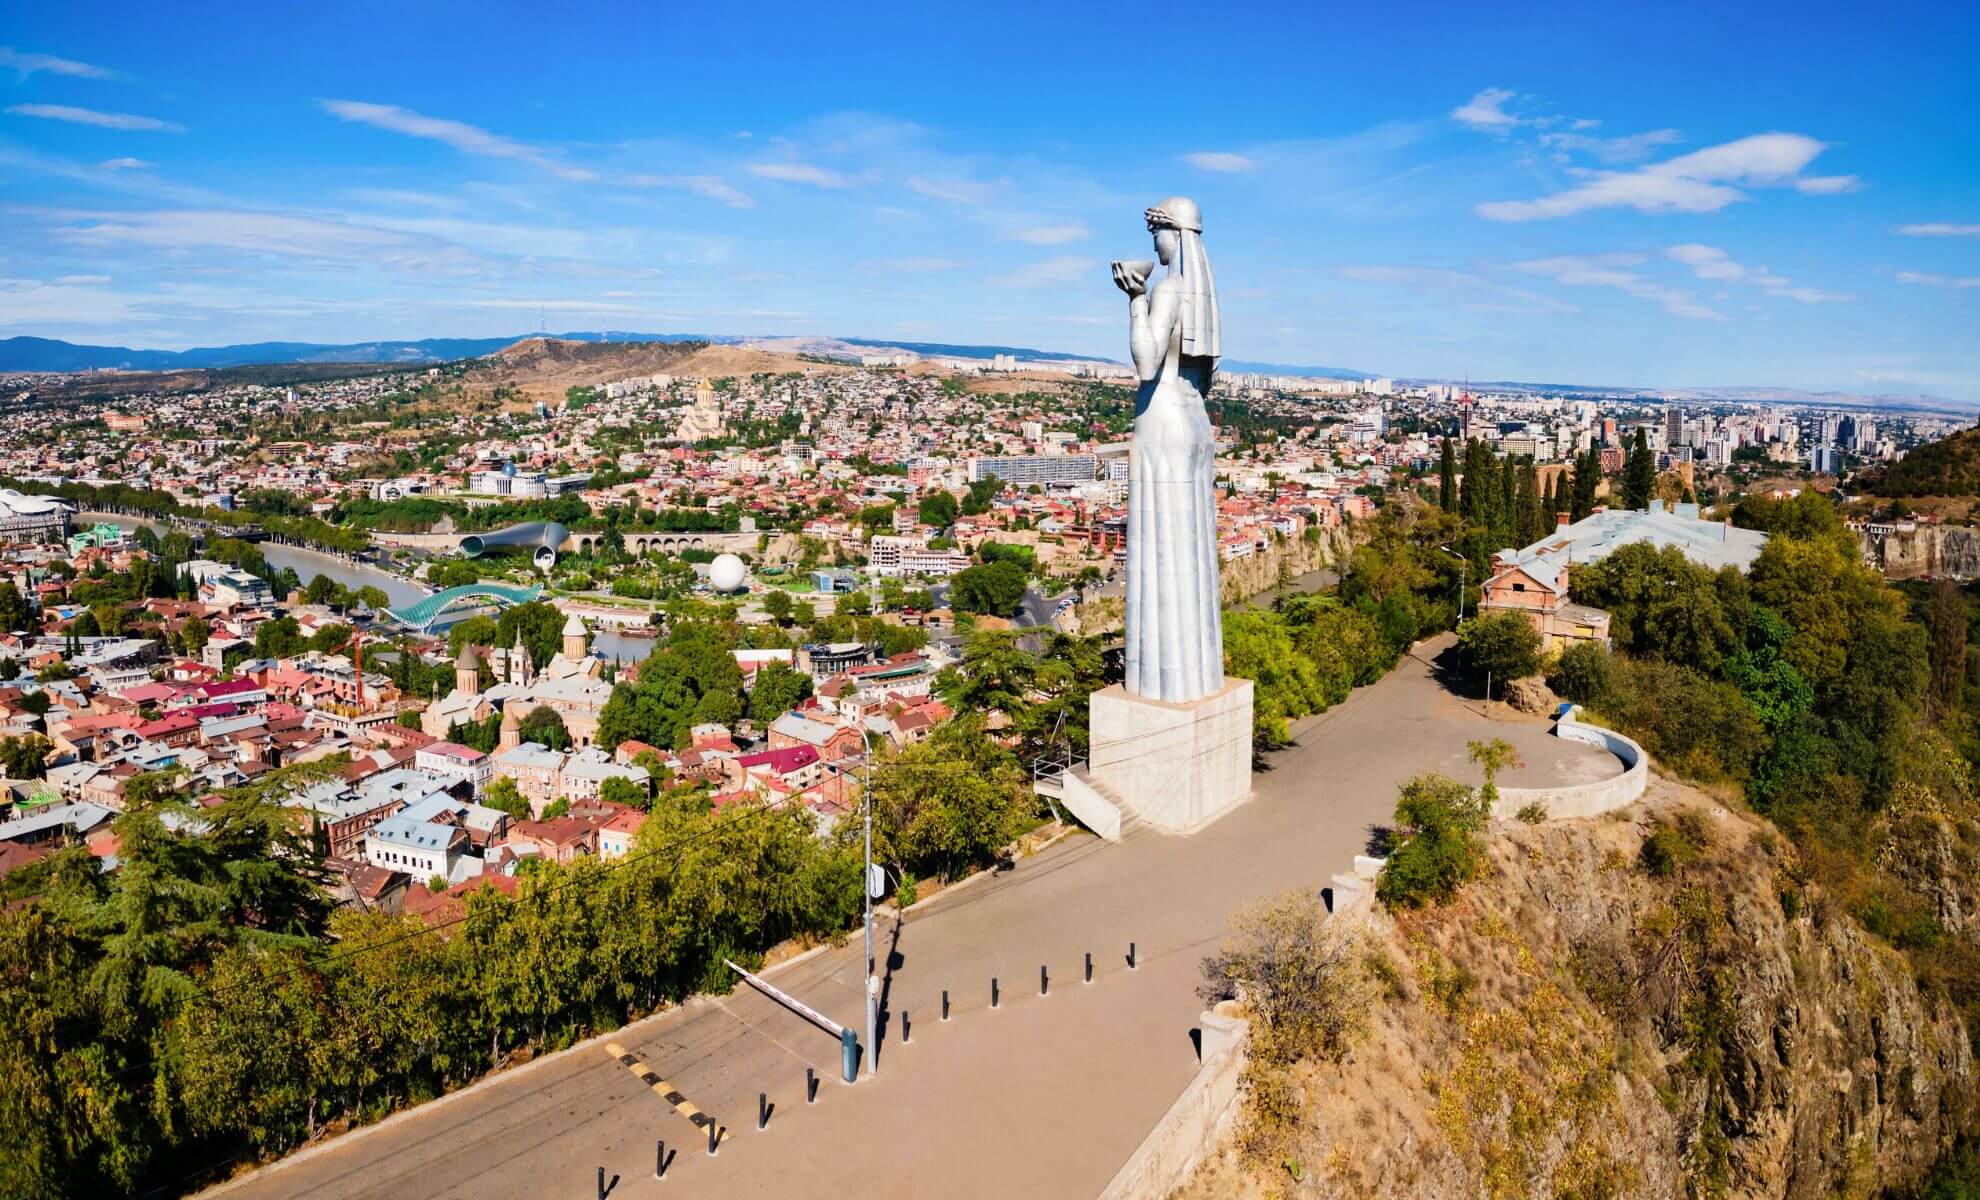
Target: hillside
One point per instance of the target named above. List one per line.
(1947, 467)
(545, 368)
(1578, 1025)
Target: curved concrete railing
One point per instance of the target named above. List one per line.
(1584, 799)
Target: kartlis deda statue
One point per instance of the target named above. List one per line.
(1175, 649)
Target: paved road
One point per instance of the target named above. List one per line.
(1045, 1096)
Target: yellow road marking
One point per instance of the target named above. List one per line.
(661, 1088)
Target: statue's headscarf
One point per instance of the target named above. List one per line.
(1200, 326)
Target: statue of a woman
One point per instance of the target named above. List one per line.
(1175, 637)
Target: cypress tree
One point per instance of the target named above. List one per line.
(1639, 473)
(1447, 498)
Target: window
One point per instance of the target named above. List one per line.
(1519, 587)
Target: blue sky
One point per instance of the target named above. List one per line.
(1659, 195)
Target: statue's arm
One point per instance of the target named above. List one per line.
(1151, 322)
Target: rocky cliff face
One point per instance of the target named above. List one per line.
(1285, 559)
(1575, 1025)
(1940, 551)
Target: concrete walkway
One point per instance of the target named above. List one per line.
(1045, 1096)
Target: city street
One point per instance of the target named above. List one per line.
(1044, 1096)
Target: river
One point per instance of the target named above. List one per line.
(306, 563)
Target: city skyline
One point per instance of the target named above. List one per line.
(1753, 203)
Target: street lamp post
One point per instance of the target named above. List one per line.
(1464, 578)
(866, 888)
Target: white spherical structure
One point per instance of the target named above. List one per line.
(726, 573)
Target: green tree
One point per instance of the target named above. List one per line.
(617, 789)
(992, 589)
(1639, 473)
(15, 616)
(1447, 492)
(949, 802)
(544, 726)
(778, 689)
(25, 757)
(778, 604)
(1504, 645)
(1438, 820)
(937, 509)
(503, 795)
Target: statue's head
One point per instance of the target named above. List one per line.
(1168, 220)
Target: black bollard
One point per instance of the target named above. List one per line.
(1089, 966)
(714, 1137)
(1044, 984)
(1327, 898)
(945, 1004)
(1130, 956)
(907, 1033)
(762, 1110)
(601, 1183)
(660, 1159)
(993, 991)
(810, 1086)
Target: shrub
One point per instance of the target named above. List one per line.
(1533, 813)
(1300, 973)
(1503, 643)
(1675, 844)
(1582, 673)
(1441, 849)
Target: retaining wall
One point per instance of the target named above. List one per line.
(1584, 799)
(1196, 1124)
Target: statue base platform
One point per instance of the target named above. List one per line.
(1177, 767)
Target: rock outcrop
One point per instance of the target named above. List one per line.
(1575, 1024)
(1908, 551)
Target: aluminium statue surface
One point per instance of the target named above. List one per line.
(1175, 643)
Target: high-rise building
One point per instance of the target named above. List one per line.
(1026, 469)
(1673, 425)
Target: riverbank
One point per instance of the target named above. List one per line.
(307, 562)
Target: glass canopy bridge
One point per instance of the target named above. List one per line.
(423, 615)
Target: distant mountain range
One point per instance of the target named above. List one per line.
(49, 354)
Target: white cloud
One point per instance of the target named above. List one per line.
(1696, 182)
(261, 234)
(1939, 229)
(26, 64)
(123, 164)
(1706, 262)
(89, 116)
(1219, 160)
(1052, 272)
(1633, 148)
(1486, 112)
(801, 173)
(1607, 271)
(80, 280)
(708, 187)
(1928, 279)
(955, 191)
(467, 139)
(1048, 235)
(1714, 264)
(1827, 185)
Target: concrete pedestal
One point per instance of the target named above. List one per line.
(1176, 766)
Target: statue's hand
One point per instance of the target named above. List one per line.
(1132, 277)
